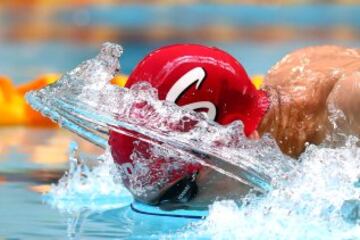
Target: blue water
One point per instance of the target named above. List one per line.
(305, 209)
(133, 23)
(26, 217)
(24, 213)
(39, 58)
(33, 159)
(195, 15)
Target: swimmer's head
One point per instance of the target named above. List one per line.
(196, 77)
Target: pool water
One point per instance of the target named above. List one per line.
(32, 159)
(308, 208)
(312, 205)
(27, 168)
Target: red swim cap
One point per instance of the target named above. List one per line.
(196, 77)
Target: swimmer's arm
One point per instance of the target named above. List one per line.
(345, 96)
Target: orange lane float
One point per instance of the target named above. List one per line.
(15, 111)
(13, 108)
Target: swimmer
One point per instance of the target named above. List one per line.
(299, 96)
(313, 92)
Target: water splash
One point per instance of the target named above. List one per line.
(85, 190)
(315, 199)
(91, 109)
(91, 75)
(83, 187)
(320, 203)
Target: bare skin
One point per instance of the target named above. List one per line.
(308, 88)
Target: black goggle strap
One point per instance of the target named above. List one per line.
(182, 191)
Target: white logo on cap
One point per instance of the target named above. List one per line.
(195, 75)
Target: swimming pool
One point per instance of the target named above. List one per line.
(28, 167)
(309, 209)
(31, 159)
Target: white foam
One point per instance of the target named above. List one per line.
(306, 207)
(92, 188)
